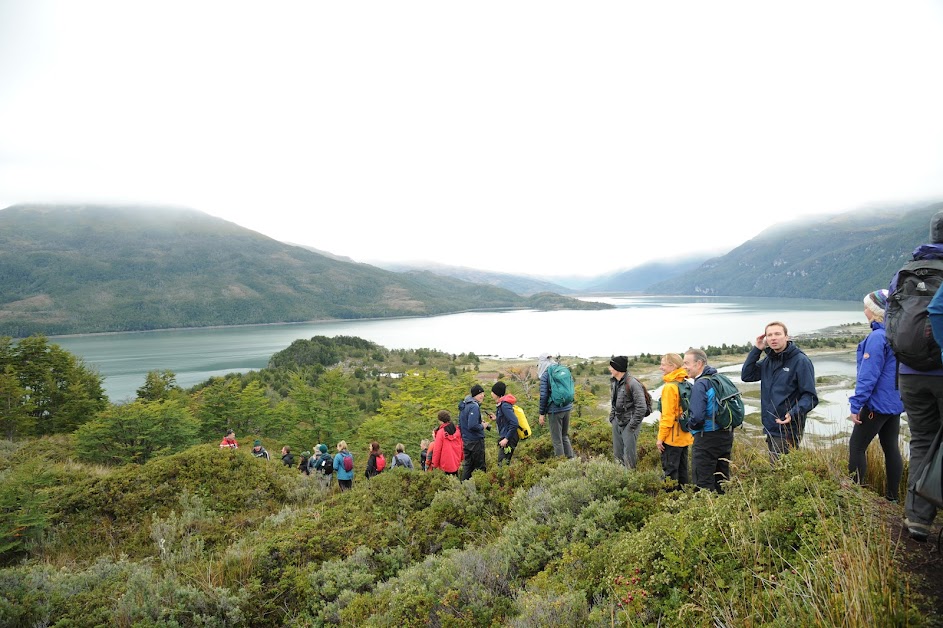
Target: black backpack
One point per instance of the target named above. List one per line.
(326, 464)
(648, 396)
(906, 322)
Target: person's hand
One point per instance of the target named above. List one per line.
(503, 442)
(661, 446)
(854, 418)
(760, 342)
(540, 419)
(785, 421)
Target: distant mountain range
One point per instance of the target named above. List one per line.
(81, 269)
(842, 257)
(520, 284)
(638, 279)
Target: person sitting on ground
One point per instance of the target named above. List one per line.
(401, 459)
(374, 464)
(287, 458)
(229, 441)
(507, 422)
(259, 451)
(448, 449)
(345, 476)
(876, 405)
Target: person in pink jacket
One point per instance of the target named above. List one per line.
(447, 452)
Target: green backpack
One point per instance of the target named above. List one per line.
(684, 400)
(728, 405)
(561, 385)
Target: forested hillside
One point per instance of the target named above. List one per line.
(842, 257)
(79, 269)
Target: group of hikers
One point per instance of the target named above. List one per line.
(898, 370)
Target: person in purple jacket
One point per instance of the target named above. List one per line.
(876, 404)
(922, 394)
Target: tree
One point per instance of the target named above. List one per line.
(253, 411)
(137, 432)
(216, 407)
(53, 378)
(158, 386)
(334, 414)
(16, 418)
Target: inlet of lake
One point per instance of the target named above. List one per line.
(638, 324)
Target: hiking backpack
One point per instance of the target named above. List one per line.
(648, 396)
(684, 402)
(381, 462)
(728, 404)
(326, 464)
(348, 462)
(906, 322)
(560, 381)
(523, 427)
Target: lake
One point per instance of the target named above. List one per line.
(638, 324)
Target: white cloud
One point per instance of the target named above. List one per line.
(486, 134)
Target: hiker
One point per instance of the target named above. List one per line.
(430, 451)
(259, 451)
(229, 441)
(673, 441)
(424, 453)
(303, 466)
(324, 467)
(472, 430)
(344, 466)
(876, 404)
(375, 461)
(787, 388)
(506, 421)
(921, 389)
(401, 459)
(556, 403)
(287, 458)
(627, 411)
(712, 443)
(448, 450)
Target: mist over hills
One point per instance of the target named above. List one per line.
(842, 257)
(88, 268)
(519, 284)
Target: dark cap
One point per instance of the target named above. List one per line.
(499, 388)
(476, 390)
(620, 363)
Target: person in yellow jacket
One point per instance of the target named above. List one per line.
(673, 442)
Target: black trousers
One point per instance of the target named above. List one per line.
(712, 459)
(474, 457)
(674, 463)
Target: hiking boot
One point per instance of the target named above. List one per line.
(918, 531)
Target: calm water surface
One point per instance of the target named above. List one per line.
(637, 325)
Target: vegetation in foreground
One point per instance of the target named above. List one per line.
(199, 536)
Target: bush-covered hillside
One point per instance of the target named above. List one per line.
(195, 535)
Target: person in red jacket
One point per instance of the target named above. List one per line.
(229, 441)
(447, 452)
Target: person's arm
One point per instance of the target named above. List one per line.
(750, 372)
(807, 396)
(670, 409)
(437, 449)
(697, 411)
(544, 403)
(935, 309)
(637, 410)
(870, 369)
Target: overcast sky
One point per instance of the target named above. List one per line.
(590, 136)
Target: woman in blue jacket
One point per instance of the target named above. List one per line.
(876, 404)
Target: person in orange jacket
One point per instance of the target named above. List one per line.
(447, 451)
(673, 442)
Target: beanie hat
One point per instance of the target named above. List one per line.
(620, 363)
(936, 228)
(306, 454)
(322, 448)
(876, 302)
(476, 390)
(257, 443)
(499, 388)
